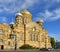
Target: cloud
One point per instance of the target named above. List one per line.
(57, 0)
(56, 36)
(50, 3)
(52, 0)
(8, 6)
(3, 20)
(30, 3)
(12, 6)
(50, 15)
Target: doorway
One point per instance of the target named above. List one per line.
(2, 47)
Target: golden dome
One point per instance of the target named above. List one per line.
(25, 11)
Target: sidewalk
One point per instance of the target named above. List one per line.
(26, 50)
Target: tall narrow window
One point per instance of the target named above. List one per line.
(31, 37)
(42, 38)
(48, 39)
(9, 43)
(36, 37)
(1, 40)
(21, 36)
(1, 31)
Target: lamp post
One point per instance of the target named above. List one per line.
(14, 35)
(15, 40)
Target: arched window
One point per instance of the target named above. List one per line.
(42, 38)
(31, 37)
(1, 31)
(9, 43)
(21, 36)
(36, 37)
(34, 28)
(1, 40)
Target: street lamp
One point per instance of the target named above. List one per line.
(13, 35)
(15, 40)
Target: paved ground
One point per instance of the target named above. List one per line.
(56, 50)
(19, 50)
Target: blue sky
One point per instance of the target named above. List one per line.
(48, 10)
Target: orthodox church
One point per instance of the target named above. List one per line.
(23, 31)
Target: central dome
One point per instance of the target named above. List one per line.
(26, 12)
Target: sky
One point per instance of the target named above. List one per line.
(48, 10)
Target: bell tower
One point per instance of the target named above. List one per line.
(19, 18)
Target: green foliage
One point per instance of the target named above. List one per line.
(26, 46)
(53, 42)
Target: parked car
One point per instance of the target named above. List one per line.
(50, 49)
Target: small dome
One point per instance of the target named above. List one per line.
(41, 20)
(12, 22)
(18, 14)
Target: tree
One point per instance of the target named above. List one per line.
(53, 42)
(26, 46)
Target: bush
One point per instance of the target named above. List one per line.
(26, 47)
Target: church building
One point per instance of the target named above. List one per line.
(23, 31)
